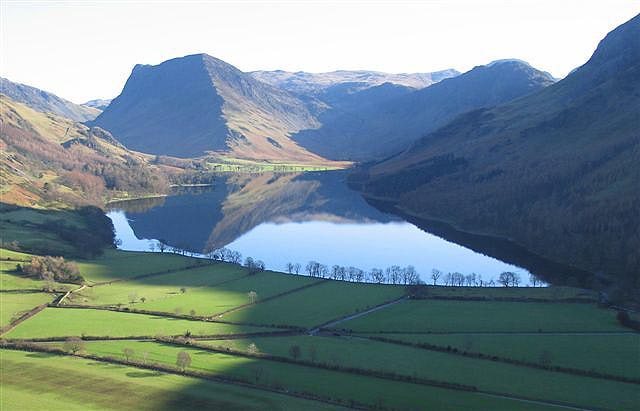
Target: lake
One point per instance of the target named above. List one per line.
(297, 218)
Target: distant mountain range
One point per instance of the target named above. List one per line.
(46, 102)
(370, 131)
(557, 171)
(100, 103)
(317, 84)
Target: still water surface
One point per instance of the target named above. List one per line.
(294, 218)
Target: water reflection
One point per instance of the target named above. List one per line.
(281, 218)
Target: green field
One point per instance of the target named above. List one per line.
(486, 316)
(607, 353)
(118, 265)
(317, 305)
(489, 376)
(576, 335)
(59, 322)
(306, 379)
(75, 384)
(13, 305)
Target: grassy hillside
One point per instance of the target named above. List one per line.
(555, 171)
(50, 160)
(46, 102)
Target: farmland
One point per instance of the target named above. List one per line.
(305, 342)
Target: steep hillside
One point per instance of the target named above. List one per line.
(556, 171)
(378, 130)
(194, 104)
(48, 160)
(46, 102)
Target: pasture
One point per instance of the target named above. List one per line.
(60, 322)
(486, 316)
(77, 384)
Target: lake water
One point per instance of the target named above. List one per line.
(281, 218)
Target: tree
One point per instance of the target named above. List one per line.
(183, 360)
(128, 353)
(294, 351)
(296, 268)
(152, 246)
(133, 296)
(73, 345)
(253, 349)
(377, 275)
(290, 268)
(183, 290)
(161, 246)
(143, 299)
(435, 274)
(253, 296)
(192, 312)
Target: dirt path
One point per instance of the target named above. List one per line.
(332, 323)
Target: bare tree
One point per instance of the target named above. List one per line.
(183, 360)
(143, 299)
(377, 275)
(183, 290)
(161, 246)
(152, 246)
(133, 296)
(128, 353)
(290, 268)
(296, 268)
(294, 351)
(253, 296)
(192, 312)
(73, 345)
(435, 275)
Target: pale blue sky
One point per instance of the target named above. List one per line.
(82, 50)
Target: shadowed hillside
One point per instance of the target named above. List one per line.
(556, 171)
(194, 104)
(378, 130)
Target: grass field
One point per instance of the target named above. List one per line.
(58, 322)
(520, 330)
(317, 305)
(610, 354)
(306, 379)
(75, 384)
(118, 265)
(13, 305)
(491, 316)
(486, 375)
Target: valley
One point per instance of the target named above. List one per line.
(234, 238)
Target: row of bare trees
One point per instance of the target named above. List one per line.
(392, 275)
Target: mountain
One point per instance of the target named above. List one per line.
(49, 160)
(194, 104)
(99, 103)
(316, 84)
(555, 171)
(46, 102)
(379, 130)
